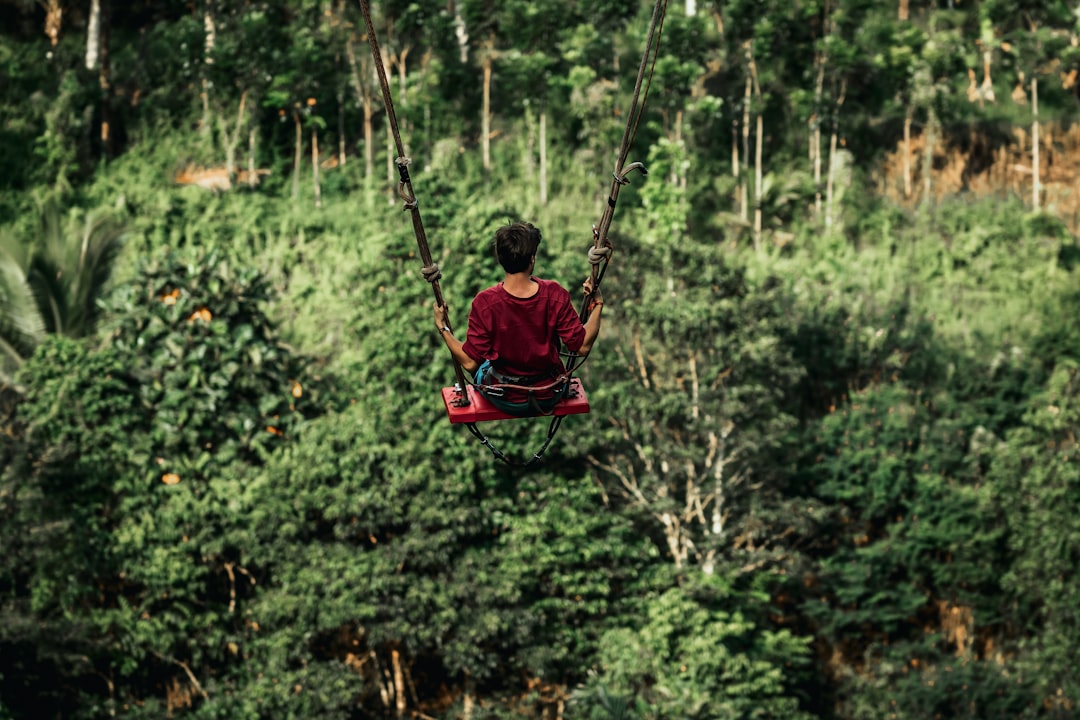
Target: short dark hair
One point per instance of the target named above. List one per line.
(515, 246)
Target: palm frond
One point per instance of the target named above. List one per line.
(22, 326)
(100, 245)
(72, 267)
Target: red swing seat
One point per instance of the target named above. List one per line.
(480, 409)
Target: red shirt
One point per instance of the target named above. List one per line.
(519, 335)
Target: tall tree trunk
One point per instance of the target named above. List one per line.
(543, 158)
(735, 170)
(210, 30)
(744, 210)
(315, 165)
(928, 155)
(252, 178)
(820, 60)
(105, 78)
(402, 56)
(54, 17)
(833, 139)
(815, 154)
(907, 153)
(677, 179)
(1035, 184)
(469, 700)
(485, 120)
(232, 141)
(391, 166)
(364, 96)
(691, 8)
(399, 683)
(461, 32)
(760, 132)
(758, 143)
(528, 154)
(298, 154)
(391, 147)
(341, 128)
(815, 158)
(369, 141)
(902, 12)
(93, 35)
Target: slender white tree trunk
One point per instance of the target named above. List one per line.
(735, 162)
(399, 683)
(252, 177)
(928, 155)
(315, 165)
(1035, 185)
(759, 140)
(341, 128)
(543, 158)
(391, 166)
(833, 140)
(461, 32)
(298, 154)
(210, 30)
(820, 59)
(232, 140)
(757, 180)
(403, 55)
(364, 96)
(831, 179)
(907, 154)
(744, 210)
(93, 35)
(485, 120)
(469, 701)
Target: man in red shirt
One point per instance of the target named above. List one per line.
(515, 326)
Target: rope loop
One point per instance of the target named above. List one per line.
(432, 272)
(598, 255)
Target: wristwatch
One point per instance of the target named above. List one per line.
(445, 329)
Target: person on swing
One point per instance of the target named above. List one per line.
(515, 326)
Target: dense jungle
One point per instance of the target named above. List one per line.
(831, 468)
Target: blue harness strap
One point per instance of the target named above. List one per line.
(521, 395)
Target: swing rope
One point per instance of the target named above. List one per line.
(602, 248)
(430, 270)
(599, 254)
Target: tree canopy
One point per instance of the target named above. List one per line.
(830, 463)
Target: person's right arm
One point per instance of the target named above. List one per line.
(592, 324)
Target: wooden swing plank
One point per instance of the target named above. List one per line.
(480, 409)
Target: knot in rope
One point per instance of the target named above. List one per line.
(601, 254)
(431, 272)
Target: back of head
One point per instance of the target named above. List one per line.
(515, 246)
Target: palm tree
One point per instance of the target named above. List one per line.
(52, 284)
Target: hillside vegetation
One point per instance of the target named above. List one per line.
(832, 465)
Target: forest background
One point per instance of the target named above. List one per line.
(831, 469)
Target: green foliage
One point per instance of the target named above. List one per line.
(1035, 474)
(693, 658)
(866, 431)
(910, 685)
(132, 466)
(221, 385)
(697, 398)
